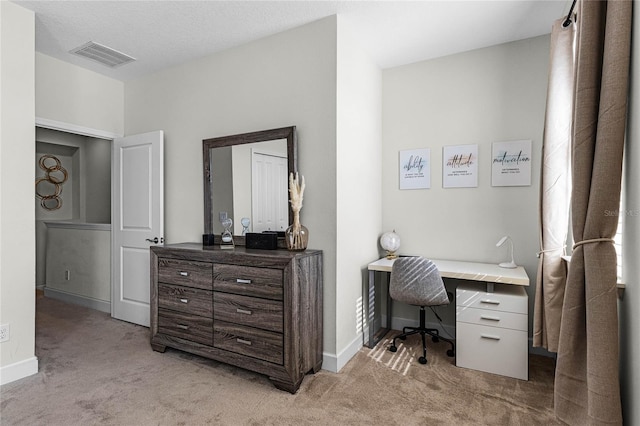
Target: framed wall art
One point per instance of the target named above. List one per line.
(511, 163)
(415, 169)
(460, 166)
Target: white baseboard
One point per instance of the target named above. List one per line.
(329, 362)
(16, 371)
(334, 363)
(76, 299)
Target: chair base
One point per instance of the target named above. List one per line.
(423, 331)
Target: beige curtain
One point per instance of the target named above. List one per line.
(587, 389)
(555, 188)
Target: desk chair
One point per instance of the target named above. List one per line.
(417, 281)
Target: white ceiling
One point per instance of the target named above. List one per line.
(161, 34)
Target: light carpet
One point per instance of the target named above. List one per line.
(98, 370)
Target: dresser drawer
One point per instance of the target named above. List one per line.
(249, 341)
(187, 273)
(508, 298)
(492, 318)
(262, 313)
(248, 281)
(186, 299)
(492, 349)
(190, 327)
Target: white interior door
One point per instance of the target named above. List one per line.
(269, 192)
(137, 222)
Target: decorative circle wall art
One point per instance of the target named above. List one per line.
(49, 187)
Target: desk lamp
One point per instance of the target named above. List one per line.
(511, 264)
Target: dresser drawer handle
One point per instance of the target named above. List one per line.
(490, 302)
(184, 300)
(182, 326)
(487, 317)
(490, 336)
(244, 342)
(184, 274)
(241, 281)
(243, 311)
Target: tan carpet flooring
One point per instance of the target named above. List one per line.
(97, 370)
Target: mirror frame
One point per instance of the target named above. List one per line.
(288, 133)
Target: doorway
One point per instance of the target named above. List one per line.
(73, 217)
(128, 157)
(269, 191)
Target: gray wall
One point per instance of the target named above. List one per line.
(358, 183)
(97, 180)
(477, 97)
(87, 193)
(17, 216)
(314, 77)
(79, 264)
(283, 80)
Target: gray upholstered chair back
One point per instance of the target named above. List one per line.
(417, 281)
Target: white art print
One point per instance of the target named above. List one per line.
(511, 163)
(460, 166)
(415, 169)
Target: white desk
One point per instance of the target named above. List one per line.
(472, 271)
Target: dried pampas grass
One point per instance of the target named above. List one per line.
(296, 191)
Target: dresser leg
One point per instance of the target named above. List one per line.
(285, 386)
(317, 367)
(158, 348)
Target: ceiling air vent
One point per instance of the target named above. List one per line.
(103, 54)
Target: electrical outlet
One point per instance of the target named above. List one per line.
(4, 333)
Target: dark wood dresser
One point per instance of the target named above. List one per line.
(256, 309)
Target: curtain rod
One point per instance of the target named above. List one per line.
(567, 21)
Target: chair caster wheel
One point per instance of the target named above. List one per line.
(393, 349)
(434, 339)
(422, 360)
(451, 353)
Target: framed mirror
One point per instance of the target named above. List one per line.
(246, 176)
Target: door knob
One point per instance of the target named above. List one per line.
(154, 241)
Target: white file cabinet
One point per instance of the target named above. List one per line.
(491, 329)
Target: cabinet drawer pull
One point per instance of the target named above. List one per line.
(241, 281)
(490, 318)
(184, 274)
(490, 336)
(182, 326)
(184, 300)
(244, 342)
(243, 311)
(490, 302)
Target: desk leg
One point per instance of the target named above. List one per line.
(389, 304)
(371, 307)
(375, 335)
